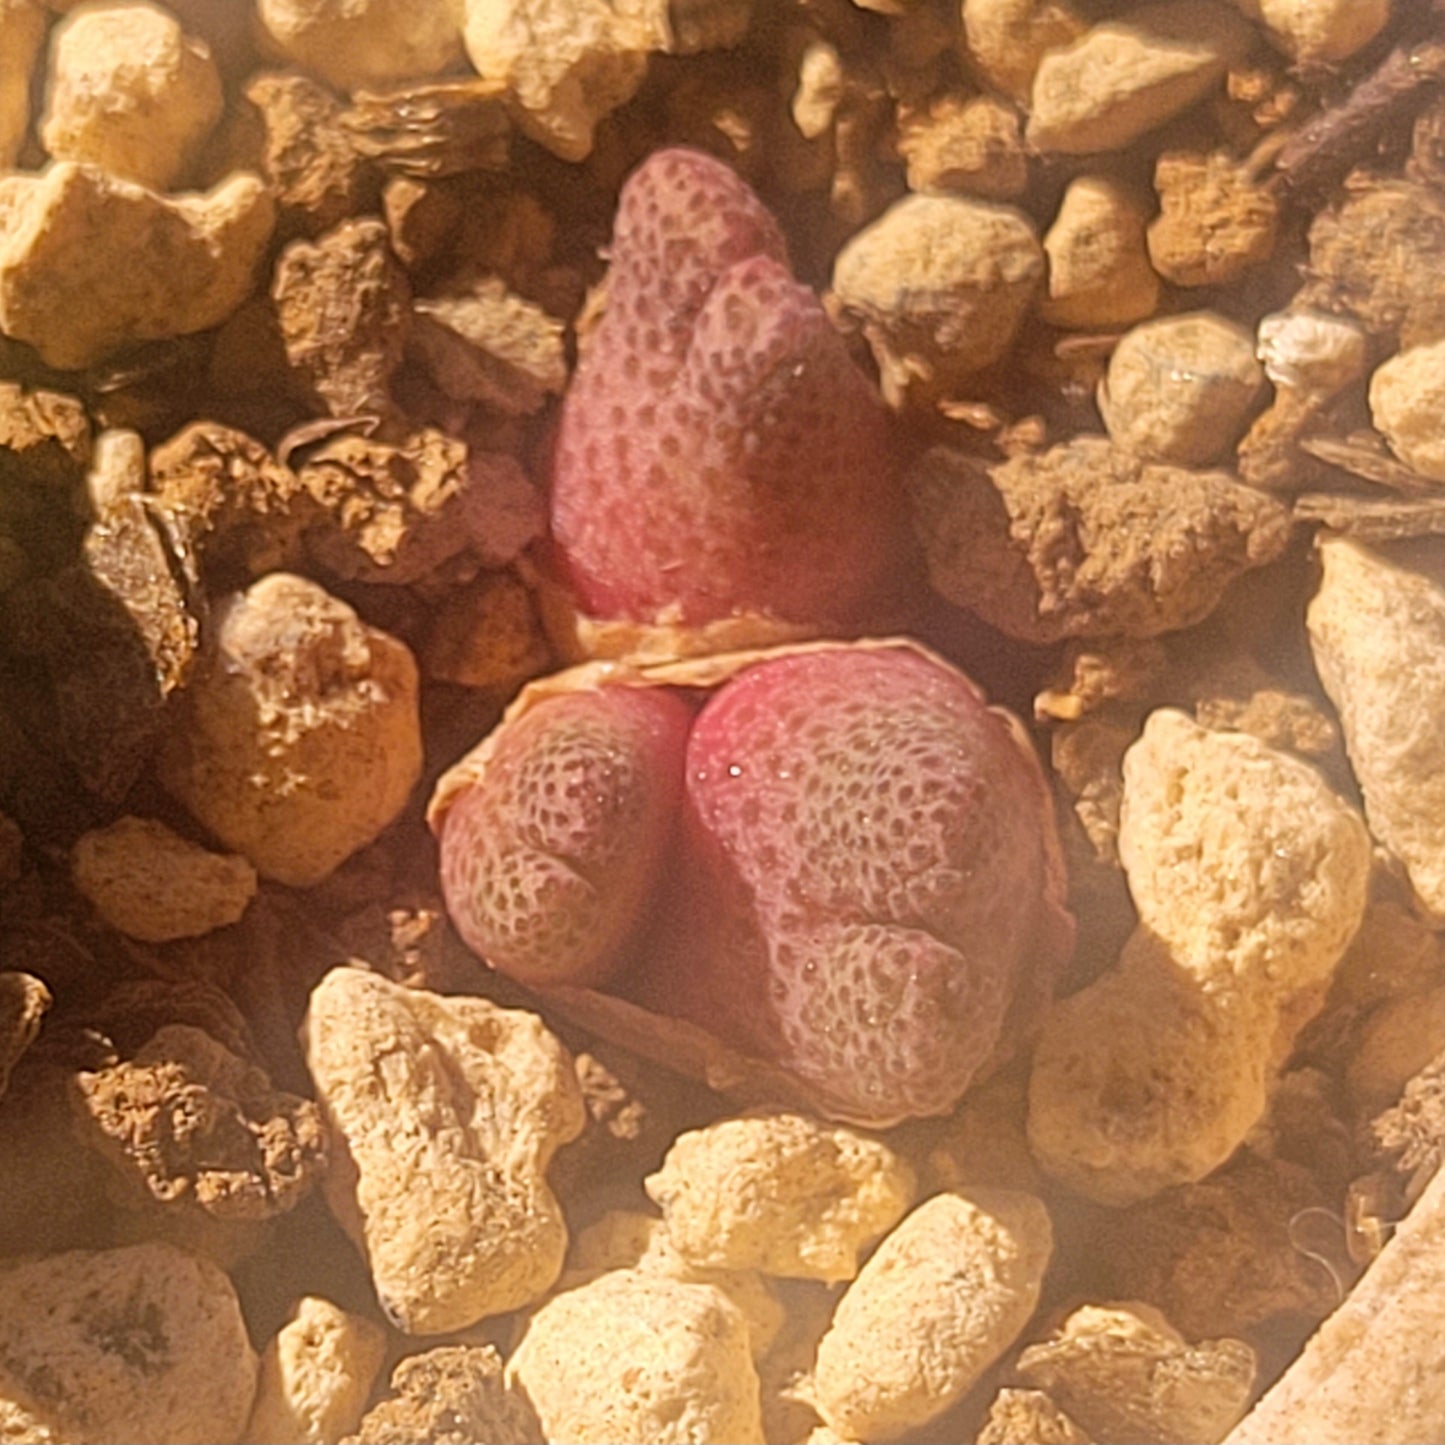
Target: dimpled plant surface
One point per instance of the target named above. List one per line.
(888, 841)
(546, 868)
(846, 863)
(718, 452)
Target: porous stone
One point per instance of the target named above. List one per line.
(1377, 631)
(148, 267)
(150, 883)
(1129, 74)
(300, 740)
(144, 1342)
(129, 91)
(938, 285)
(356, 43)
(448, 1111)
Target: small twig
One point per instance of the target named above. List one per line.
(314, 433)
(1339, 138)
(1373, 521)
(1364, 456)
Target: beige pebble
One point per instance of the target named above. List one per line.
(1127, 75)
(780, 1192)
(1180, 389)
(1250, 877)
(353, 44)
(316, 1376)
(630, 1239)
(1006, 39)
(449, 1111)
(1125, 1373)
(145, 1342)
(22, 31)
(939, 285)
(564, 64)
(151, 884)
(944, 1295)
(1398, 1040)
(1312, 350)
(635, 1356)
(446, 1395)
(1099, 271)
(483, 344)
(819, 91)
(1377, 631)
(1320, 32)
(1241, 858)
(1407, 404)
(300, 740)
(127, 90)
(117, 470)
(1215, 220)
(1029, 1417)
(449, 1394)
(1088, 540)
(971, 145)
(1139, 1082)
(150, 267)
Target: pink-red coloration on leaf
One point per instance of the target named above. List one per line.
(718, 451)
(879, 848)
(548, 861)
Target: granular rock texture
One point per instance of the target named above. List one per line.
(301, 742)
(356, 43)
(140, 1343)
(636, 1356)
(939, 286)
(187, 1120)
(1085, 540)
(1126, 1374)
(1375, 627)
(781, 1193)
(150, 266)
(152, 884)
(1250, 877)
(453, 1395)
(944, 1295)
(447, 1112)
(630, 1239)
(1131, 73)
(130, 92)
(316, 1375)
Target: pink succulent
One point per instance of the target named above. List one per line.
(880, 847)
(548, 862)
(844, 866)
(718, 452)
